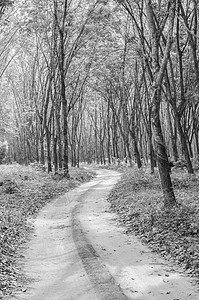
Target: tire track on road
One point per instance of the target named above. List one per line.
(103, 282)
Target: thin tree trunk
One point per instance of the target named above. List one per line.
(172, 135)
(158, 73)
(42, 154)
(184, 146)
(48, 144)
(108, 135)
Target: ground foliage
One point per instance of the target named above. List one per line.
(174, 233)
(23, 192)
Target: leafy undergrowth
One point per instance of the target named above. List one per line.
(23, 192)
(174, 233)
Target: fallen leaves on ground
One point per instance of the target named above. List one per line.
(23, 192)
(174, 233)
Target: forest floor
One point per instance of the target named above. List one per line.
(78, 251)
(136, 199)
(174, 233)
(23, 192)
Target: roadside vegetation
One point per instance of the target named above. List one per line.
(23, 192)
(172, 232)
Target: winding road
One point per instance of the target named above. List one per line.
(79, 252)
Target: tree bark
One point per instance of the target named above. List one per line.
(158, 73)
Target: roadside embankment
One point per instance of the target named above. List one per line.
(174, 233)
(23, 192)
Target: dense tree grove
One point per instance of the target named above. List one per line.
(101, 81)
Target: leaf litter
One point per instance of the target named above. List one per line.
(174, 233)
(23, 192)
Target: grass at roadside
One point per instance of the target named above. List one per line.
(174, 233)
(23, 192)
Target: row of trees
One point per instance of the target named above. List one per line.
(103, 81)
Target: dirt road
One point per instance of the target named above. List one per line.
(79, 252)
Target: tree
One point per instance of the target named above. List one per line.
(151, 38)
(158, 70)
(105, 81)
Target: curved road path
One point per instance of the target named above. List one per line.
(79, 252)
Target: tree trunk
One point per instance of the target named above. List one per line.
(55, 157)
(162, 158)
(172, 135)
(184, 145)
(42, 155)
(135, 146)
(108, 135)
(64, 108)
(37, 143)
(65, 138)
(158, 73)
(48, 144)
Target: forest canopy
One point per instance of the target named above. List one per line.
(100, 81)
